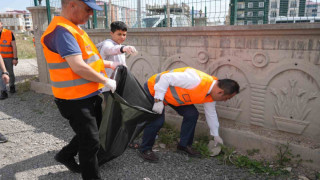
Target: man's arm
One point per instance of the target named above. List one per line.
(79, 67)
(187, 79)
(15, 53)
(5, 77)
(212, 120)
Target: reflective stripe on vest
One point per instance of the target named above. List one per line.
(64, 65)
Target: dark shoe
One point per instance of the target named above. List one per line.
(149, 156)
(69, 163)
(3, 95)
(3, 139)
(134, 145)
(189, 151)
(12, 89)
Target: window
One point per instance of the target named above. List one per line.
(249, 14)
(261, 4)
(241, 5)
(240, 14)
(240, 23)
(260, 22)
(249, 22)
(250, 5)
(260, 13)
(293, 4)
(292, 13)
(273, 14)
(274, 5)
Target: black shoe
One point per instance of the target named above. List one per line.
(12, 89)
(69, 163)
(3, 139)
(3, 95)
(189, 151)
(149, 156)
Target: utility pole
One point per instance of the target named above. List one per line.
(139, 13)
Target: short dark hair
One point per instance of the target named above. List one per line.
(118, 25)
(229, 86)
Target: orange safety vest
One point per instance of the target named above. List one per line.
(178, 96)
(6, 49)
(65, 83)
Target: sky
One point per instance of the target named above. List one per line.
(6, 5)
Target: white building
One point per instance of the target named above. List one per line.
(16, 20)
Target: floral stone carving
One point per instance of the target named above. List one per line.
(291, 108)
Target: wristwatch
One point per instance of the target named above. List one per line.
(15, 59)
(5, 73)
(157, 100)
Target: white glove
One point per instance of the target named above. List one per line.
(130, 49)
(114, 65)
(217, 140)
(111, 84)
(158, 107)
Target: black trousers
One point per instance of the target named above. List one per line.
(84, 117)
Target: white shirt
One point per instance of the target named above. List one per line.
(110, 50)
(188, 80)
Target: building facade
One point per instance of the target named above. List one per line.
(17, 21)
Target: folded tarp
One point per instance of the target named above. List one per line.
(126, 113)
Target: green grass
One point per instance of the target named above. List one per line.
(26, 50)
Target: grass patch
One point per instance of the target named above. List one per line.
(24, 86)
(168, 135)
(201, 145)
(26, 50)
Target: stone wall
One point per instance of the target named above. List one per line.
(277, 67)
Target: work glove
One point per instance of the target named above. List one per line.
(217, 140)
(158, 107)
(111, 84)
(130, 50)
(114, 65)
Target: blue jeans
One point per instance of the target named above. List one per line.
(190, 116)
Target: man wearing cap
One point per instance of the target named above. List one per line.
(77, 76)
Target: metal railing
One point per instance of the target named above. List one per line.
(186, 13)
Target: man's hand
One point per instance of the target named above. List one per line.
(217, 140)
(111, 84)
(130, 49)
(114, 65)
(15, 62)
(158, 107)
(5, 78)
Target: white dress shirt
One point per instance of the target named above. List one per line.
(188, 79)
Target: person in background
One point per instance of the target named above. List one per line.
(5, 78)
(182, 88)
(9, 53)
(77, 74)
(112, 49)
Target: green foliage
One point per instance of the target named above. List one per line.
(201, 145)
(317, 175)
(284, 156)
(23, 87)
(168, 135)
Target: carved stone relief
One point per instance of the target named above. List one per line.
(292, 107)
(232, 108)
(143, 67)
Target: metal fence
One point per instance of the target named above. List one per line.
(186, 13)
